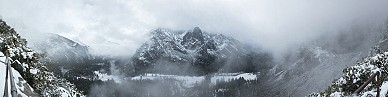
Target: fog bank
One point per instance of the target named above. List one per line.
(118, 27)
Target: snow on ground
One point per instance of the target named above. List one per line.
(190, 81)
(229, 76)
(336, 94)
(384, 89)
(23, 89)
(368, 94)
(65, 93)
(106, 77)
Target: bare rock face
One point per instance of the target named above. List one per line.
(193, 39)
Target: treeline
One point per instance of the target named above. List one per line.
(174, 88)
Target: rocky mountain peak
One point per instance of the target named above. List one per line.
(196, 30)
(193, 39)
(195, 52)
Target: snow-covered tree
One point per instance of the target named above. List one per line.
(357, 75)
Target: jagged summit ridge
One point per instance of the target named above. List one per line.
(194, 51)
(193, 39)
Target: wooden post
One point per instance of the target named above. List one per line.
(366, 83)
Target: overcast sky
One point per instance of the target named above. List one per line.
(119, 27)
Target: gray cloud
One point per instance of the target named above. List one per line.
(118, 27)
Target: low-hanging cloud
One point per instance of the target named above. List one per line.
(119, 27)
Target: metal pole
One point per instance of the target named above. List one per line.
(13, 88)
(6, 82)
(378, 85)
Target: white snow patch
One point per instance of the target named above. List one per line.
(106, 77)
(189, 81)
(34, 71)
(370, 94)
(336, 94)
(230, 76)
(384, 89)
(65, 92)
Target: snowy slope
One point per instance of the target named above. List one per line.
(59, 49)
(319, 77)
(353, 77)
(310, 69)
(69, 59)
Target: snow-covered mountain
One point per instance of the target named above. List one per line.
(60, 49)
(33, 71)
(196, 52)
(71, 60)
(309, 68)
(167, 52)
